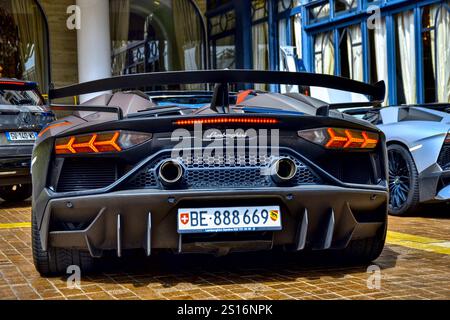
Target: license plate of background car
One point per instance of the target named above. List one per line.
(235, 219)
(21, 136)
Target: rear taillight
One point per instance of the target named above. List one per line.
(103, 142)
(338, 138)
(447, 139)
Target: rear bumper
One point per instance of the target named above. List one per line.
(16, 151)
(313, 217)
(434, 185)
(15, 170)
(443, 193)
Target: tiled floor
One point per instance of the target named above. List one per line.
(406, 271)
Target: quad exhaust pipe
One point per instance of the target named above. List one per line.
(171, 173)
(283, 170)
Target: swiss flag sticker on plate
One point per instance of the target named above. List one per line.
(184, 218)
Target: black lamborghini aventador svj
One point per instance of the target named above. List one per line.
(212, 172)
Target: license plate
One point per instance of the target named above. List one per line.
(240, 219)
(21, 136)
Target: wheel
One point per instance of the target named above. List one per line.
(55, 261)
(365, 250)
(403, 182)
(16, 193)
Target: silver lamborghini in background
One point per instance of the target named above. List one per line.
(418, 139)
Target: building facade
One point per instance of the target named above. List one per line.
(405, 43)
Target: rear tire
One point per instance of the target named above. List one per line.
(16, 193)
(55, 261)
(403, 182)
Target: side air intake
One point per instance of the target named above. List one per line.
(86, 174)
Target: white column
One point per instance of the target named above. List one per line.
(94, 43)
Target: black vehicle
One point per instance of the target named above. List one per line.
(22, 117)
(115, 177)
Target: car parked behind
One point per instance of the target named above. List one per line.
(22, 116)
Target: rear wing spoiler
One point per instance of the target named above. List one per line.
(73, 108)
(445, 107)
(222, 79)
(358, 106)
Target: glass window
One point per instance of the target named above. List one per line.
(342, 6)
(284, 5)
(282, 34)
(290, 39)
(442, 54)
(428, 52)
(222, 28)
(260, 9)
(351, 55)
(260, 46)
(296, 22)
(222, 23)
(319, 12)
(260, 50)
(224, 53)
(435, 43)
(324, 53)
(213, 4)
(290, 49)
(156, 35)
(260, 37)
(291, 45)
(378, 67)
(406, 58)
(23, 42)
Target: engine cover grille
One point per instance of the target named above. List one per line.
(444, 157)
(86, 174)
(242, 171)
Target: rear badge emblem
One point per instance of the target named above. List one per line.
(274, 215)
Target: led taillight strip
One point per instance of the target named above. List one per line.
(226, 120)
(341, 138)
(113, 142)
(368, 141)
(352, 141)
(59, 149)
(71, 147)
(335, 141)
(349, 141)
(13, 83)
